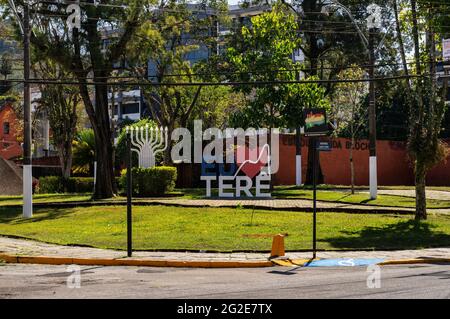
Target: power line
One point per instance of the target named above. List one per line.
(243, 83)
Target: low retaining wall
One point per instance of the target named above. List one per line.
(394, 167)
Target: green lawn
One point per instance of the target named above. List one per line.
(45, 198)
(219, 229)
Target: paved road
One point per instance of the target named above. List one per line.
(408, 281)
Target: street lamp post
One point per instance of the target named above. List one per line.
(373, 22)
(24, 24)
(27, 178)
(27, 171)
(373, 176)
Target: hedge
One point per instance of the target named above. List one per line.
(55, 184)
(155, 181)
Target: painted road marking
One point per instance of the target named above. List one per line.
(349, 262)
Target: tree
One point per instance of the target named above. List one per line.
(427, 106)
(90, 58)
(215, 105)
(59, 102)
(5, 71)
(164, 41)
(265, 55)
(5, 66)
(84, 152)
(349, 110)
(330, 43)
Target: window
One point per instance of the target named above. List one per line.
(130, 108)
(6, 128)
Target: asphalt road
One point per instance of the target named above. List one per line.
(41, 281)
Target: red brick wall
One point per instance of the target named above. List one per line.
(9, 146)
(393, 165)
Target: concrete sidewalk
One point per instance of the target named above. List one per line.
(28, 248)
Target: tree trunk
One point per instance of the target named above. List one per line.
(66, 161)
(105, 186)
(167, 159)
(401, 43)
(352, 166)
(310, 171)
(421, 199)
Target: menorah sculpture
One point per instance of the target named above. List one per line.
(146, 145)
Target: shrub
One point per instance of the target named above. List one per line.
(155, 181)
(55, 184)
(50, 185)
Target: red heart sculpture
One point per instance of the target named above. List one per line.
(252, 165)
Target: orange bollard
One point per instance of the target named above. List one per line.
(278, 247)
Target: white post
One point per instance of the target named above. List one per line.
(298, 170)
(46, 134)
(27, 191)
(373, 177)
(95, 173)
(27, 174)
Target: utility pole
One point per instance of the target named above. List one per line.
(27, 167)
(298, 157)
(315, 164)
(373, 24)
(298, 136)
(372, 119)
(298, 151)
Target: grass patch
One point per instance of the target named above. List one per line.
(45, 198)
(223, 229)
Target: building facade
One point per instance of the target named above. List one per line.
(131, 105)
(10, 146)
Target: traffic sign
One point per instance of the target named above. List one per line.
(446, 49)
(316, 122)
(324, 146)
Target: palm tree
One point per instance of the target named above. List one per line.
(84, 152)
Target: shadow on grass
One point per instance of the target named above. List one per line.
(12, 215)
(402, 235)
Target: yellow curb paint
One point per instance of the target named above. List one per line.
(186, 264)
(8, 259)
(300, 262)
(132, 262)
(283, 263)
(44, 260)
(415, 261)
(292, 262)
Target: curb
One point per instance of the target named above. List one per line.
(132, 262)
(415, 261)
(188, 264)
